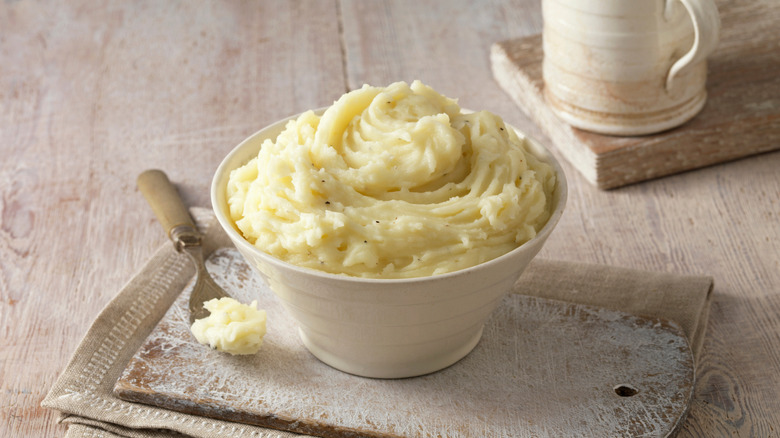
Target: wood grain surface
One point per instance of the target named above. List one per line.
(543, 368)
(93, 92)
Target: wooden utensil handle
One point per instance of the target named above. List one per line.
(164, 200)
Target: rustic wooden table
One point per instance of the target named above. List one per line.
(92, 93)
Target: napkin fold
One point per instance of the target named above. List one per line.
(83, 392)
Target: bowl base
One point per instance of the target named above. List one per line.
(367, 365)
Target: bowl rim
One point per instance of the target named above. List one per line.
(222, 172)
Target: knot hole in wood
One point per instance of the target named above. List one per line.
(624, 390)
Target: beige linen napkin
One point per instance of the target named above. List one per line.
(83, 393)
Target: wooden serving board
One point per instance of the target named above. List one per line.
(741, 116)
(542, 369)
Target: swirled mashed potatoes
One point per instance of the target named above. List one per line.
(392, 182)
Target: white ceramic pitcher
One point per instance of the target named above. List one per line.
(627, 67)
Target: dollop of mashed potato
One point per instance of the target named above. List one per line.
(232, 327)
(392, 182)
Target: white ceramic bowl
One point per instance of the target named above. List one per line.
(385, 328)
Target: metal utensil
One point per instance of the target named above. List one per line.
(180, 228)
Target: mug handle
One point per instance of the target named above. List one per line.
(706, 26)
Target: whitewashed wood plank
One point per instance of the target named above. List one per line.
(543, 368)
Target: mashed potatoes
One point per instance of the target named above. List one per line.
(232, 327)
(392, 182)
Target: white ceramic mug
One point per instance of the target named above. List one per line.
(627, 67)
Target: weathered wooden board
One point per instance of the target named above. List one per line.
(543, 368)
(741, 117)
